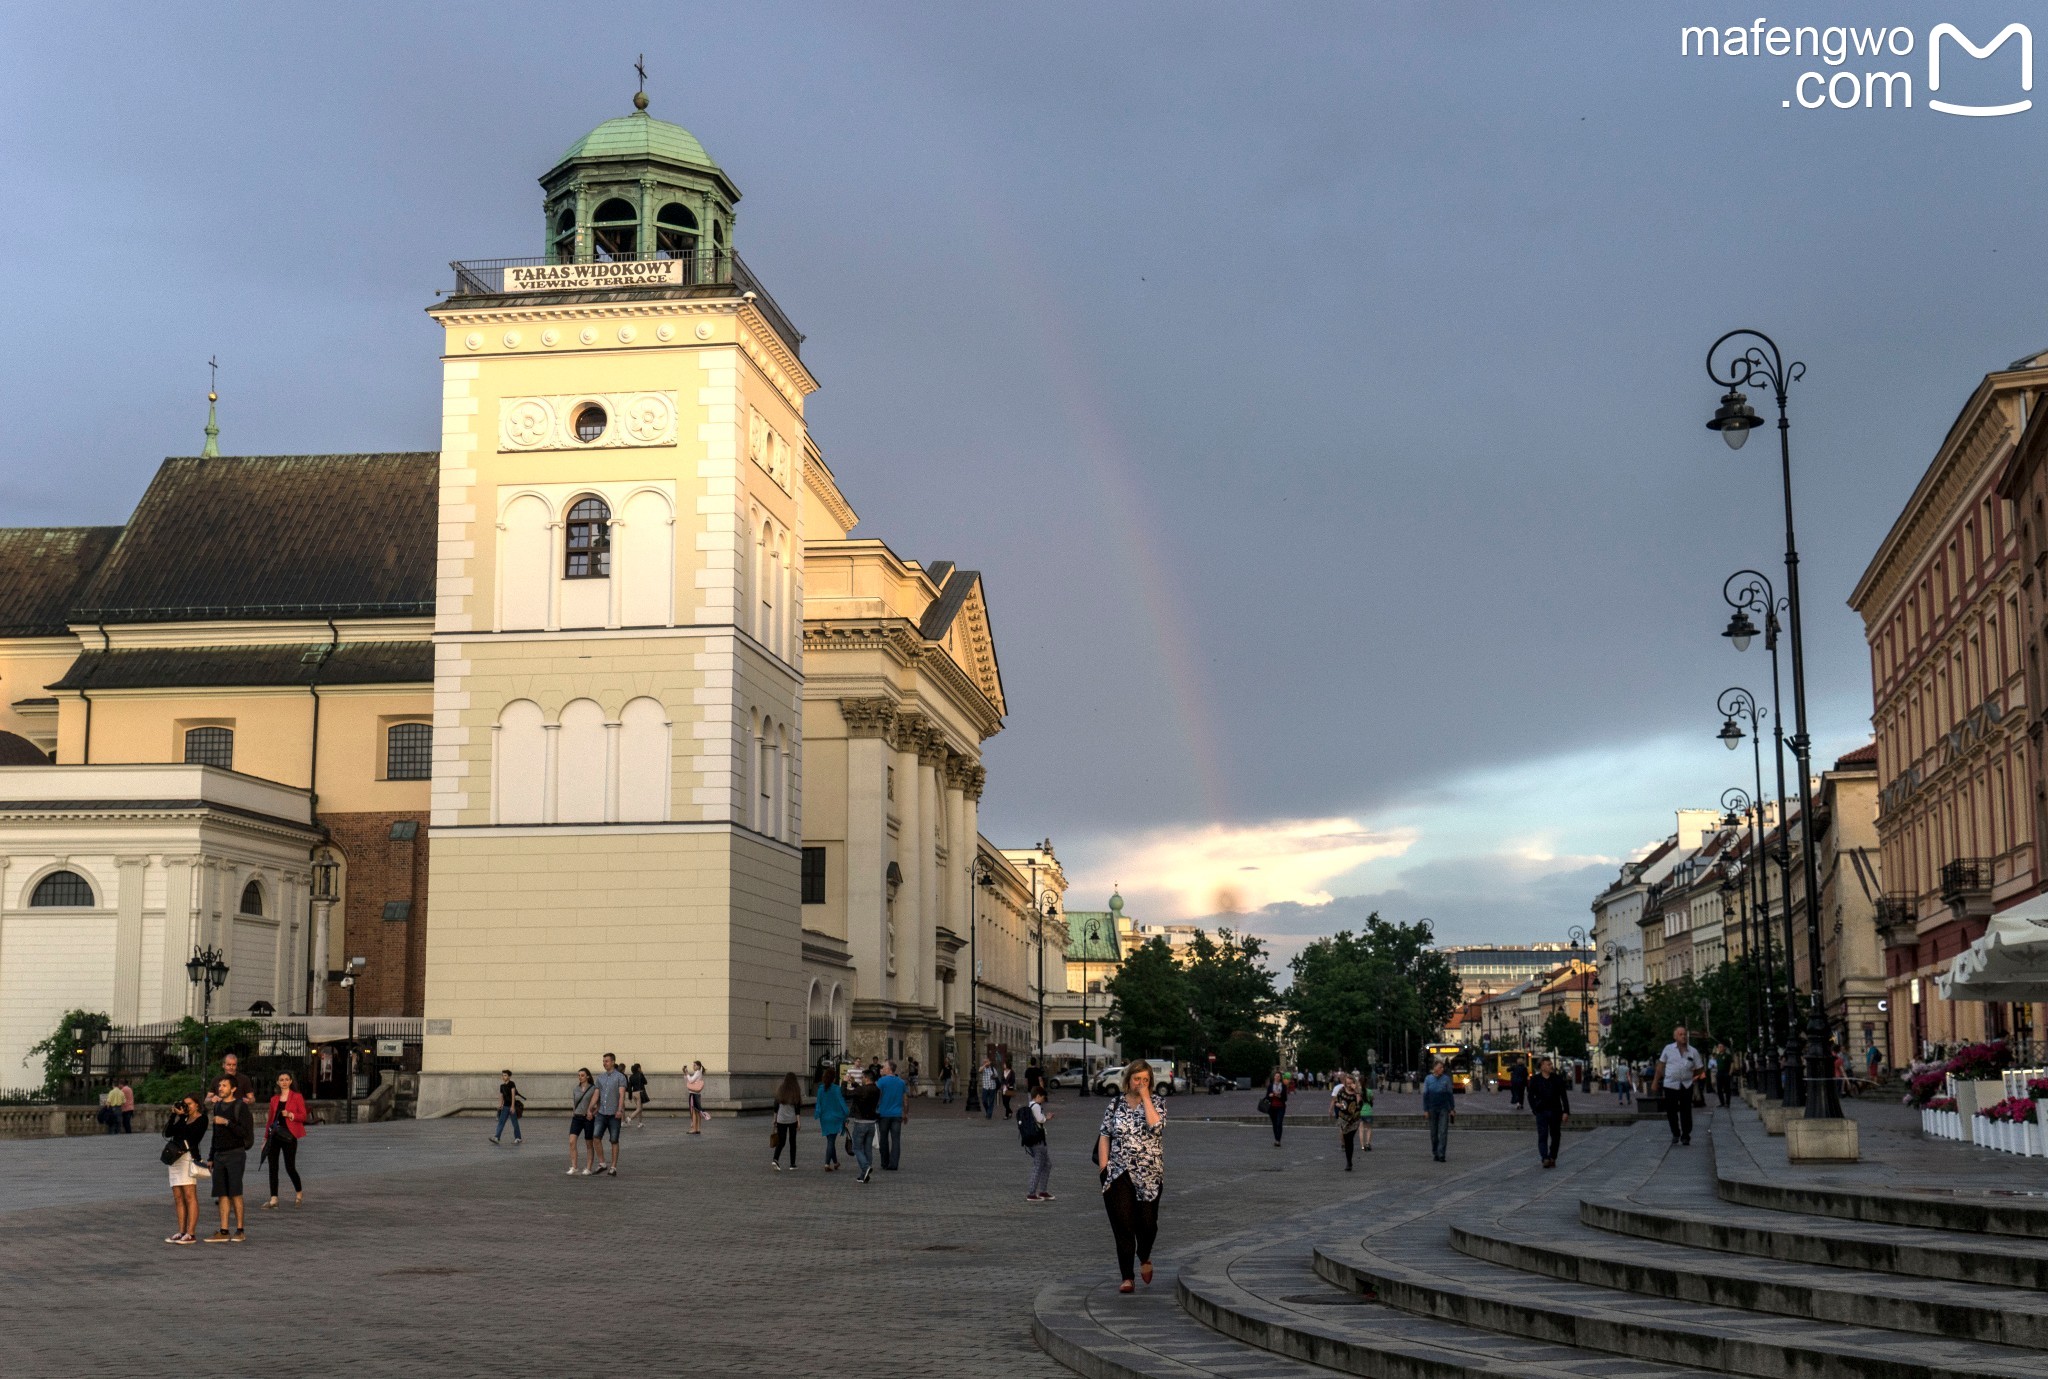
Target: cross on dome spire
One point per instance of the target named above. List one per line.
(640, 96)
(212, 450)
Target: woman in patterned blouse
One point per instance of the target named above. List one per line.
(1128, 1151)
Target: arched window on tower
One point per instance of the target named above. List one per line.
(252, 899)
(589, 544)
(615, 230)
(565, 237)
(675, 233)
(61, 890)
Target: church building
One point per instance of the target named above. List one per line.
(595, 728)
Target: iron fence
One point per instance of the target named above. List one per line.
(487, 278)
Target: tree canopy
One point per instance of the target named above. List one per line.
(1210, 996)
(1561, 1035)
(1382, 992)
(1714, 1005)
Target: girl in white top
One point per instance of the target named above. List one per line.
(694, 1084)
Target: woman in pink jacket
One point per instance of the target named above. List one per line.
(282, 1129)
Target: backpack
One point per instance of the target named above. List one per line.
(1029, 1131)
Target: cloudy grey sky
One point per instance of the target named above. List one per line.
(1319, 387)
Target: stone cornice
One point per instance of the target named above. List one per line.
(542, 310)
(819, 484)
(771, 354)
(899, 640)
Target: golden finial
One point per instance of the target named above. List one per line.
(640, 96)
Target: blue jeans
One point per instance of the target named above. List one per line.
(831, 1147)
(1549, 1129)
(1439, 1133)
(505, 1114)
(863, 1132)
(988, 1102)
(892, 1141)
(1041, 1168)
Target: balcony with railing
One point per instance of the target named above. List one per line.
(1896, 919)
(540, 276)
(1966, 886)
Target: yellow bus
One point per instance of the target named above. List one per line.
(1458, 1062)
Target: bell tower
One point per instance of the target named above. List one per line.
(640, 188)
(616, 804)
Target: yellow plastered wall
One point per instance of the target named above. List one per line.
(27, 666)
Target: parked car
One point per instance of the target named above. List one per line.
(1069, 1076)
(1110, 1081)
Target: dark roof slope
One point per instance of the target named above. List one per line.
(954, 587)
(19, 751)
(152, 667)
(273, 536)
(42, 570)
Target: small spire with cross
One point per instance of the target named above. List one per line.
(640, 96)
(212, 450)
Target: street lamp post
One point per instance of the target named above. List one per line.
(1048, 910)
(1577, 935)
(326, 874)
(1735, 702)
(1116, 903)
(1735, 419)
(348, 984)
(208, 969)
(984, 880)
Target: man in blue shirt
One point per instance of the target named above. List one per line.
(1439, 1102)
(890, 1114)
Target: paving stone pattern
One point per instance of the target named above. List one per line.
(424, 1250)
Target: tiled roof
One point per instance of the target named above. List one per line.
(1866, 755)
(352, 663)
(41, 570)
(273, 536)
(19, 751)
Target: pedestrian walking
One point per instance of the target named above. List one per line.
(693, 1083)
(862, 1102)
(1274, 1103)
(910, 1075)
(1364, 1108)
(1344, 1108)
(511, 1106)
(636, 1095)
(1031, 1131)
(890, 1113)
(1034, 1078)
(582, 1120)
(1130, 1153)
(1678, 1066)
(988, 1088)
(789, 1108)
(946, 1080)
(1518, 1083)
(1009, 1085)
(1723, 1066)
(109, 1114)
(184, 1128)
(283, 1128)
(1550, 1100)
(1622, 1088)
(611, 1111)
(127, 1108)
(831, 1114)
(234, 1132)
(1440, 1104)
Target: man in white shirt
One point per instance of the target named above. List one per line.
(1677, 1066)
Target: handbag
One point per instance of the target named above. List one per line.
(200, 1170)
(174, 1150)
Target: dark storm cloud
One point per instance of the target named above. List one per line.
(1318, 387)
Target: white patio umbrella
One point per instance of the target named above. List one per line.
(2010, 963)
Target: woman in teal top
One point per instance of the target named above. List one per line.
(831, 1114)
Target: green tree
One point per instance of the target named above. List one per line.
(1148, 1009)
(1561, 1035)
(62, 1051)
(1229, 991)
(1383, 990)
(1247, 1053)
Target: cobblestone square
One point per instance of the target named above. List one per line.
(423, 1249)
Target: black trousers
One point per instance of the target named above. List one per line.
(1549, 1129)
(786, 1138)
(1278, 1115)
(1135, 1224)
(1678, 1111)
(283, 1147)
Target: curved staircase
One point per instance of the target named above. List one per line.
(1633, 1260)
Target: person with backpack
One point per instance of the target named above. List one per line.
(1031, 1131)
(831, 1113)
(636, 1096)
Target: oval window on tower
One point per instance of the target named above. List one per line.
(590, 423)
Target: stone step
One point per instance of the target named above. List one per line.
(1269, 1297)
(1430, 1279)
(1099, 1333)
(1916, 1253)
(1935, 1307)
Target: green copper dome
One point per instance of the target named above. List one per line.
(640, 135)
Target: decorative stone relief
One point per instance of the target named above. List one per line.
(548, 423)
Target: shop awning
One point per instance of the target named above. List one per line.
(2010, 963)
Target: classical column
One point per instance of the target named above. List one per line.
(913, 841)
(611, 772)
(558, 560)
(931, 764)
(181, 935)
(551, 776)
(127, 1003)
(869, 725)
